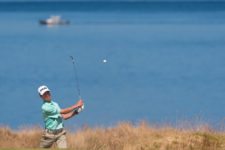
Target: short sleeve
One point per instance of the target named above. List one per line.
(51, 111)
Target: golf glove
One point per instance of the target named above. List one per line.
(80, 109)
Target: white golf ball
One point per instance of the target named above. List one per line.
(104, 61)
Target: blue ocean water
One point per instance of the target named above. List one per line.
(165, 61)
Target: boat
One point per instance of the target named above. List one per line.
(54, 20)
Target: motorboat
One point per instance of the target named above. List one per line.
(54, 20)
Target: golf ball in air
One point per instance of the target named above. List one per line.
(104, 61)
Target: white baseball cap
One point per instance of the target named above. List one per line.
(42, 89)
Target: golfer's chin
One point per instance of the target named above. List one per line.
(47, 100)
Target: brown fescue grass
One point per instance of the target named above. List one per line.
(124, 136)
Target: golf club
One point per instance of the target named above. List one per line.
(76, 76)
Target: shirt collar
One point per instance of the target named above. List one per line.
(47, 101)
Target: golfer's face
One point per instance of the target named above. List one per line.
(47, 96)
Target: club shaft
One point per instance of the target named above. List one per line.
(76, 77)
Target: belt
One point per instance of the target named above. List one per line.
(56, 131)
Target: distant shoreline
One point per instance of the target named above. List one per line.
(115, 1)
(121, 6)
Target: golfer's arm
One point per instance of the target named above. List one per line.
(69, 109)
(68, 115)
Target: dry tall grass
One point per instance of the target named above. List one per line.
(124, 136)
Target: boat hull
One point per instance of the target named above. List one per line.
(44, 22)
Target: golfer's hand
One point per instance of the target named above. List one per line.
(80, 103)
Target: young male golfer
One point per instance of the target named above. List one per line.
(53, 117)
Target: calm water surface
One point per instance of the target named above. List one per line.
(166, 62)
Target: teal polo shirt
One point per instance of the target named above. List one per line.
(52, 116)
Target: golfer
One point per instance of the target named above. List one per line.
(53, 117)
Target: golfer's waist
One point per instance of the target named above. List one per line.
(54, 131)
